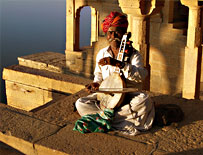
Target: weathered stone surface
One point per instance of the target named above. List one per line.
(44, 79)
(167, 54)
(26, 147)
(21, 124)
(95, 143)
(182, 137)
(29, 88)
(51, 61)
(27, 97)
(60, 112)
(38, 126)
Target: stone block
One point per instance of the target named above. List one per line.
(44, 79)
(26, 97)
(28, 88)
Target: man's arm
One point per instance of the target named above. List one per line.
(134, 70)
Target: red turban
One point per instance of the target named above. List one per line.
(114, 19)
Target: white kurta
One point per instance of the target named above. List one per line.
(138, 113)
(133, 71)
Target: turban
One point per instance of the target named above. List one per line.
(114, 19)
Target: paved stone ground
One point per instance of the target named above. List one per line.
(52, 127)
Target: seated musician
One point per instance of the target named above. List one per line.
(137, 112)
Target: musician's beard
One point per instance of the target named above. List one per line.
(115, 42)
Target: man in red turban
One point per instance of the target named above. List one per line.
(115, 26)
(114, 19)
(137, 112)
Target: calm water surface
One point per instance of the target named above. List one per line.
(32, 26)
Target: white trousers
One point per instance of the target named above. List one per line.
(136, 115)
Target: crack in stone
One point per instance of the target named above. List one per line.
(32, 117)
(51, 134)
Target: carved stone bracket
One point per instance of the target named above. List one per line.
(138, 12)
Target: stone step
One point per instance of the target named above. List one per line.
(29, 88)
(43, 79)
(51, 61)
(21, 131)
(27, 97)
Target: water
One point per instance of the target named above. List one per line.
(32, 26)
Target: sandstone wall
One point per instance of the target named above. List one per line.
(167, 49)
(166, 58)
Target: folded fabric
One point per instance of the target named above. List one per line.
(100, 122)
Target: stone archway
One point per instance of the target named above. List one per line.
(82, 61)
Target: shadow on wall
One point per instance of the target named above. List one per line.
(168, 41)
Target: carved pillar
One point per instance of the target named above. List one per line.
(138, 12)
(140, 37)
(193, 52)
(94, 25)
(70, 25)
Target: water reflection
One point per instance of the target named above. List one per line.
(29, 27)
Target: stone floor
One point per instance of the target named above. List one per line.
(50, 130)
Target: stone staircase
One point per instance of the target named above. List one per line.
(39, 79)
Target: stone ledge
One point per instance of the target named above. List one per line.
(29, 88)
(44, 79)
(27, 147)
(20, 130)
(51, 61)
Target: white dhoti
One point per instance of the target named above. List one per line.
(136, 115)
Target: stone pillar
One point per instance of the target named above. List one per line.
(140, 36)
(70, 25)
(94, 25)
(193, 52)
(138, 12)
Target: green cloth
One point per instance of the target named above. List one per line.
(99, 122)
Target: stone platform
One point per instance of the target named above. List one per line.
(39, 79)
(44, 125)
(49, 130)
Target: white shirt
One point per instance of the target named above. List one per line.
(133, 70)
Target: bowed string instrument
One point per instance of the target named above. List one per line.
(112, 90)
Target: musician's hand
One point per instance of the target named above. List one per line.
(92, 86)
(110, 61)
